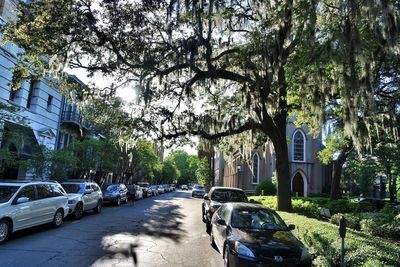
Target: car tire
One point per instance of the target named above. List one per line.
(192, 195)
(58, 218)
(226, 256)
(212, 241)
(5, 230)
(78, 212)
(203, 218)
(98, 207)
(118, 202)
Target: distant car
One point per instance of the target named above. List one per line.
(252, 235)
(184, 187)
(115, 193)
(134, 192)
(147, 191)
(198, 191)
(216, 197)
(161, 189)
(25, 204)
(154, 190)
(83, 196)
(370, 201)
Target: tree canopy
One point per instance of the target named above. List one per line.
(249, 64)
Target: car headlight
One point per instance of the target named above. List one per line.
(72, 201)
(305, 255)
(244, 251)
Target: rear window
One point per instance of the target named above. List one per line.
(6, 192)
(198, 187)
(226, 195)
(73, 188)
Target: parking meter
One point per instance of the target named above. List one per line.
(342, 227)
(342, 233)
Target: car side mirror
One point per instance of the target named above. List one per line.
(221, 222)
(22, 200)
(291, 227)
(206, 197)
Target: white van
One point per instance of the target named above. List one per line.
(25, 204)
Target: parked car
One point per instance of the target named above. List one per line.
(184, 187)
(370, 201)
(134, 192)
(25, 204)
(253, 235)
(161, 189)
(154, 190)
(198, 191)
(216, 197)
(115, 193)
(83, 196)
(147, 191)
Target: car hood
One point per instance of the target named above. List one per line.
(74, 196)
(268, 243)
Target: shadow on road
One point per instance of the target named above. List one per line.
(162, 219)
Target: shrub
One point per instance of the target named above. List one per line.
(268, 201)
(306, 208)
(352, 221)
(266, 188)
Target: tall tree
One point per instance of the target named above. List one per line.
(244, 54)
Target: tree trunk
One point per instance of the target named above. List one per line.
(337, 170)
(336, 175)
(283, 177)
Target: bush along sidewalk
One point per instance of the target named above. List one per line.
(323, 239)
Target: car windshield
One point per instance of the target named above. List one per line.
(7, 191)
(198, 187)
(223, 195)
(73, 188)
(111, 188)
(257, 219)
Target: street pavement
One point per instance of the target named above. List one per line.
(165, 230)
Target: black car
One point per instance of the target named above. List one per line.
(252, 235)
(115, 193)
(217, 196)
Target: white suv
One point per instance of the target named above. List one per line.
(25, 204)
(83, 196)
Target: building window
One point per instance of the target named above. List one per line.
(31, 91)
(14, 94)
(49, 102)
(256, 168)
(299, 144)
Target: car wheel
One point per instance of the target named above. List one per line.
(118, 202)
(212, 241)
(58, 218)
(192, 195)
(78, 211)
(5, 230)
(226, 256)
(98, 207)
(203, 218)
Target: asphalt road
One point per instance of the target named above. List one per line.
(165, 230)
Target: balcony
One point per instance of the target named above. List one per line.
(74, 118)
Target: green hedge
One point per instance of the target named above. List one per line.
(323, 239)
(311, 206)
(266, 188)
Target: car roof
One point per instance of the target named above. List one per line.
(226, 188)
(24, 182)
(246, 205)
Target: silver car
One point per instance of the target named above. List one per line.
(83, 196)
(25, 204)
